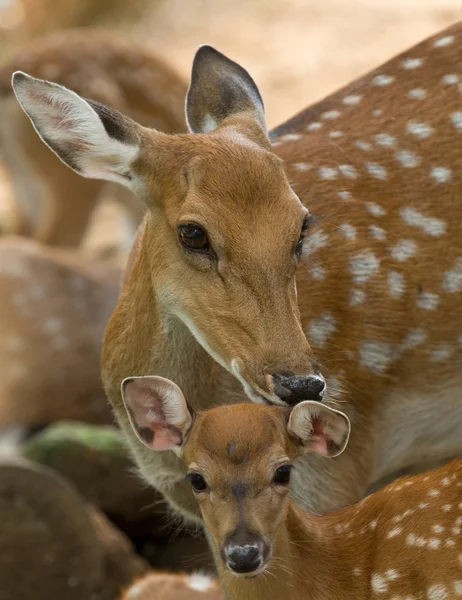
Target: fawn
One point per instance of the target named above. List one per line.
(213, 298)
(173, 586)
(54, 307)
(54, 204)
(403, 542)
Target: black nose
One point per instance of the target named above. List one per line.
(245, 558)
(293, 388)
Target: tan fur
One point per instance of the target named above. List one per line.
(55, 306)
(386, 385)
(402, 542)
(172, 586)
(54, 204)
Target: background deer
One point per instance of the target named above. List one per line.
(174, 586)
(213, 298)
(54, 204)
(55, 306)
(402, 542)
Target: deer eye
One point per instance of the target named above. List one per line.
(194, 238)
(282, 475)
(305, 226)
(197, 482)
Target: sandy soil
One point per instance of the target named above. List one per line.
(297, 50)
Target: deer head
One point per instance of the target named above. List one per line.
(225, 231)
(239, 460)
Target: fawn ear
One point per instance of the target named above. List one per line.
(321, 429)
(157, 411)
(92, 139)
(220, 88)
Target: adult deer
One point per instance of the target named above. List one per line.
(54, 204)
(404, 541)
(211, 298)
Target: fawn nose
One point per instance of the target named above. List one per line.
(294, 388)
(244, 557)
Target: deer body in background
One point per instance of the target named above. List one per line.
(54, 204)
(54, 308)
(404, 541)
(174, 586)
(232, 284)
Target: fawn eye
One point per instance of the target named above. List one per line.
(282, 475)
(194, 238)
(197, 482)
(305, 226)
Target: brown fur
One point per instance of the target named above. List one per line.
(345, 555)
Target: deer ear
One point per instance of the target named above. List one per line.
(92, 139)
(321, 429)
(220, 88)
(157, 411)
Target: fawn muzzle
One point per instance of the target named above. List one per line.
(245, 553)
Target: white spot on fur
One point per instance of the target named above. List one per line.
(434, 493)
(415, 337)
(376, 170)
(437, 592)
(446, 507)
(301, 166)
(330, 115)
(314, 242)
(199, 582)
(318, 273)
(415, 540)
(320, 330)
(357, 571)
(428, 301)
(291, 137)
(344, 195)
(458, 587)
(357, 297)
(392, 574)
(379, 584)
(420, 130)
(415, 218)
(417, 94)
(328, 173)
(456, 119)
(444, 41)
(375, 356)
(353, 99)
(315, 126)
(442, 352)
(381, 80)
(362, 145)
(403, 250)
(434, 543)
(336, 134)
(411, 63)
(377, 232)
(441, 174)
(452, 279)
(438, 528)
(348, 230)
(377, 112)
(394, 532)
(385, 140)
(363, 266)
(348, 171)
(375, 209)
(407, 158)
(450, 79)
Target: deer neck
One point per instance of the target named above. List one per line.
(313, 559)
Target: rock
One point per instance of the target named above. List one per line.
(48, 544)
(97, 462)
(170, 586)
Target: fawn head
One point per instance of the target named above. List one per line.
(239, 460)
(225, 230)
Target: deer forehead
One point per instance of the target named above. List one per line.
(237, 436)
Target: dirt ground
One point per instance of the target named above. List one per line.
(298, 51)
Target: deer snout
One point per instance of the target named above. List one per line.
(292, 389)
(245, 555)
